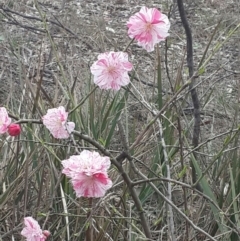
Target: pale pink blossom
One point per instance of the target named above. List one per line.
(32, 230)
(88, 173)
(110, 71)
(5, 121)
(148, 27)
(56, 122)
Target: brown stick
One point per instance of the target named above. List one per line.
(193, 91)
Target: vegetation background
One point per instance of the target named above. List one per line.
(146, 128)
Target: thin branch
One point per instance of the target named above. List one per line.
(193, 91)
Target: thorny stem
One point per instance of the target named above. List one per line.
(194, 95)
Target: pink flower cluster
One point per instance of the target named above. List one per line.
(32, 230)
(88, 173)
(149, 27)
(56, 122)
(5, 124)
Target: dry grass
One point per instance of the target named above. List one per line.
(44, 62)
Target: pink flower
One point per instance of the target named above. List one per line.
(32, 230)
(5, 121)
(111, 70)
(88, 173)
(148, 27)
(56, 122)
(14, 129)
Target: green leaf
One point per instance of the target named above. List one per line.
(201, 71)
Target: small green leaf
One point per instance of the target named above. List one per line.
(183, 172)
(201, 71)
(102, 141)
(41, 214)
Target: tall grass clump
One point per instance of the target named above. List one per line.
(116, 147)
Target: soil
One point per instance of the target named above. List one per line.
(80, 30)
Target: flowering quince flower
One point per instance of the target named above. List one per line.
(56, 122)
(88, 173)
(32, 230)
(148, 27)
(14, 129)
(5, 121)
(110, 71)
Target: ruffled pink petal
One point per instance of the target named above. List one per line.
(5, 121)
(56, 122)
(148, 27)
(110, 70)
(32, 230)
(91, 186)
(88, 173)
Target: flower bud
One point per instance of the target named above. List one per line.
(46, 233)
(14, 129)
